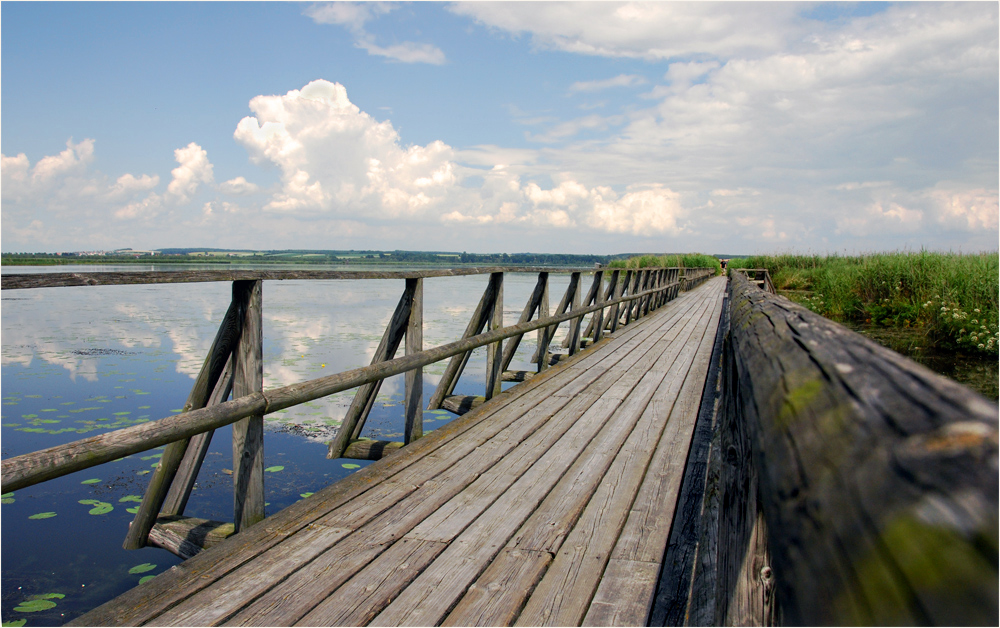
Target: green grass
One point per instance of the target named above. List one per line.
(683, 260)
(950, 297)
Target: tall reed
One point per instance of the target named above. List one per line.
(951, 297)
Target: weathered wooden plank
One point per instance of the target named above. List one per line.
(186, 536)
(485, 603)
(878, 479)
(675, 589)
(248, 433)
(276, 601)
(628, 580)
(359, 601)
(644, 536)
(563, 596)
(295, 596)
(450, 575)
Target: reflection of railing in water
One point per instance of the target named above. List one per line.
(234, 365)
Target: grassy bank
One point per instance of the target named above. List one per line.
(950, 299)
(685, 260)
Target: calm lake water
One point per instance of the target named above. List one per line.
(82, 361)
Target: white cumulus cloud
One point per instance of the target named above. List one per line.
(194, 169)
(354, 15)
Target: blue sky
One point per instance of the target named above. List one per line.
(489, 127)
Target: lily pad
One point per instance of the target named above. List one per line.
(7, 498)
(38, 603)
(350, 465)
(134, 510)
(274, 469)
(42, 515)
(17, 623)
(145, 579)
(131, 498)
(143, 568)
(91, 481)
(99, 507)
(304, 495)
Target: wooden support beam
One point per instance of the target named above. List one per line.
(371, 449)
(494, 350)
(543, 335)
(194, 456)
(573, 337)
(564, 304)
(453, 371)
(248, 433)
(460, 404)
(534, 301)
(226, 339)
(364, 398)
(413, 403)
(186, 536)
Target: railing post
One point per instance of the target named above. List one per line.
(494, 350)
(542, 351)
(573, 338)
(248, 433)
(414, 425)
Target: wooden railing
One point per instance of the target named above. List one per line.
(234, 366)
(847, 485)
(760, 276)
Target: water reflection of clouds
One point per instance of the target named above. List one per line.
(311, 329)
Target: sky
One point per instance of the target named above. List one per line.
(595, 127)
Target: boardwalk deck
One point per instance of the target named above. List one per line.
(549, 505)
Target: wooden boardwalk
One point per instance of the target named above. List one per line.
(549, 505)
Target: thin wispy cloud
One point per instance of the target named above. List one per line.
(622, 80)
(354, 16)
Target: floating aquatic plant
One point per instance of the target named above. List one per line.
(37, 603)
(99, 507)
(143, 568)
(91, 481)
(42, 515)
(145, 579)
(274, 469)
(350, 465)
(130, 498)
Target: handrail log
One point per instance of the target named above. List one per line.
(17, 281)
(30, 469)
(878, 478)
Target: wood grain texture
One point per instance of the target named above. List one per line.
(186, 536)
(248, 433)
(413, 404)
(878, 478)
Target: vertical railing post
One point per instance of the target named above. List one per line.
(248, 433)
(494, 350)
(597, 318)
(414, 426)
(573, 338)
(543, 334)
